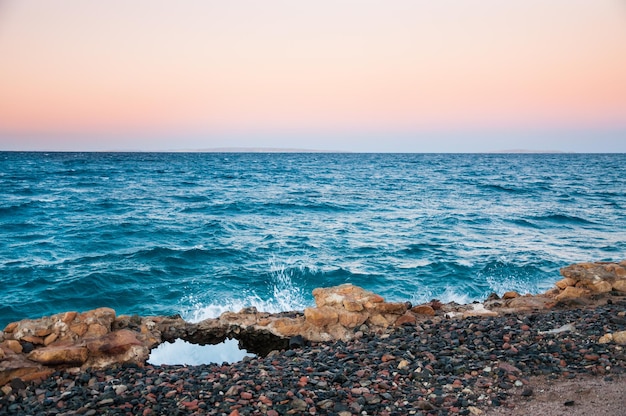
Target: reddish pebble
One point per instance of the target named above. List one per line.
(387, 357)
(192, 405)
(272, 413)
(303, 381)
(525, 328)
(234, 413)
(246, 395)
(506, 346)
(591, 357)
(147, 412)
(265, 400)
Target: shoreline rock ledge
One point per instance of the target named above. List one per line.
(32, 350)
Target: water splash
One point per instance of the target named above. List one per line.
(286, 297)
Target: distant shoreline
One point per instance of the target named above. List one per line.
(296, 150)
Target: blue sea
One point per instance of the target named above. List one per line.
(200, 233)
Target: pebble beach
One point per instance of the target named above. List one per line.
(436, 366)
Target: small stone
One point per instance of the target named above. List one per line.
(423, 310)
(474, 410)
(527, 392)
(298, 404)
(510, 295)
(50, 339)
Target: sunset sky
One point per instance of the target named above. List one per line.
(357, 75)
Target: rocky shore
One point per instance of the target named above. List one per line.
(351, 354)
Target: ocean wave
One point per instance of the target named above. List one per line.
(563, 219)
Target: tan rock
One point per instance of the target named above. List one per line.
(395, 308)
(13, 345)
(346, 296)
(287, 327)
(79, 328)
(59, 355)
(571, 292)
(32, 339)
(378, 320)
(68, 317)
(10, 327)
(352, 306)
(423, 310)
(617, 269)
(605, 339)
(113, 343)
(321, 317)
(565, 282)
(25, 373)
(2, 354)
(619, 337)
(530, 303)
(103, 316)
(351, 319)
(510, 295)
(43, 332)
(406, 319)
(96, 330)
(620, 285)
(601, 286)
(50, 339)
(263, 322)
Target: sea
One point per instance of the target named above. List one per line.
(197, 234)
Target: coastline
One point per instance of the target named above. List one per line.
(500, 361)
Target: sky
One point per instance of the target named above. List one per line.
(347, 75)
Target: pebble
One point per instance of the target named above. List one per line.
(442, 367)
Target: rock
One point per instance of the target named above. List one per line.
(13, 345)
(620, 285)
(321, 317)
(571, 292)
(406, 319)
(478, 309)
(529, 303)
(510, 295)
(565, 282)
(423, 310)
(598, 277)
(60, 355)
(605, 339)
(619, 337)
(351, 319)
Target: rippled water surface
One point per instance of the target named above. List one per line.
(199, 233)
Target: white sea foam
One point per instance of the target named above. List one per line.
(447, 295)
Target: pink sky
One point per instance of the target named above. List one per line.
(156, 75)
